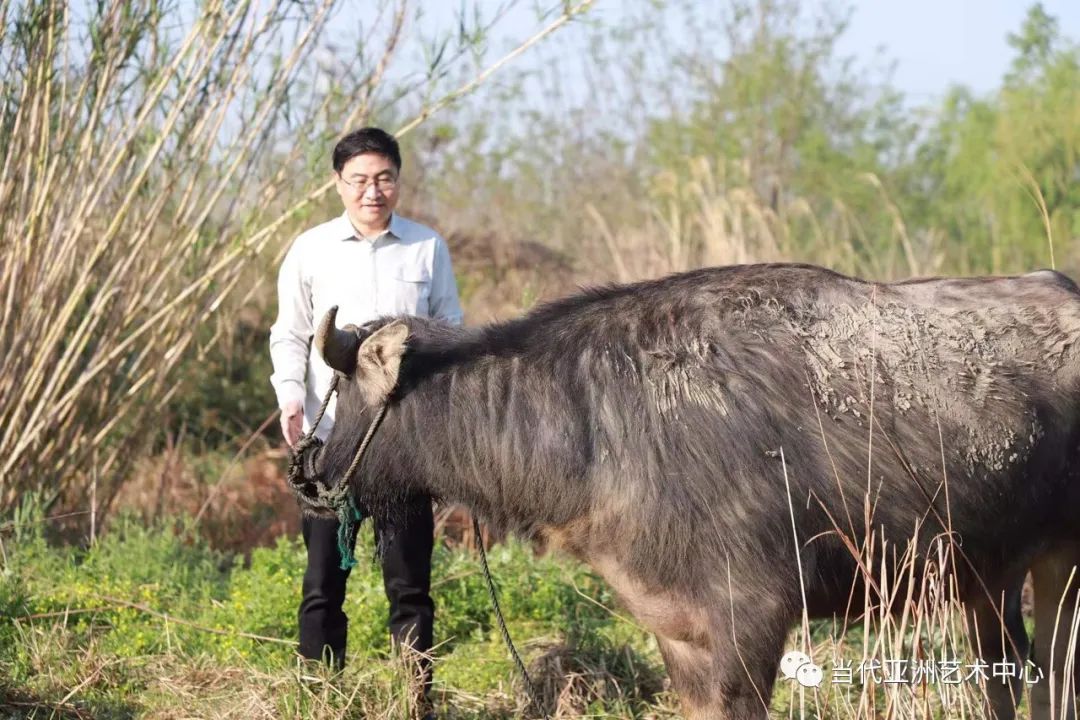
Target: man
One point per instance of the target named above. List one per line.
(369, 262)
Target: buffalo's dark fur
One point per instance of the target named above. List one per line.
(653, 429)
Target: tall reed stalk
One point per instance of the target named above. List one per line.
(126, 152)
(145, 157)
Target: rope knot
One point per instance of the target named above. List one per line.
(313, 493)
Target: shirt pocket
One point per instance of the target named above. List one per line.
(412, 291)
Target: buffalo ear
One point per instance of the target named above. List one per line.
(378, 361)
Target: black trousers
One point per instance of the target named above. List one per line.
(406, 568)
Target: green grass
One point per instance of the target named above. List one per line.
(149, 620)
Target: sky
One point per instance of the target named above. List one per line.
(939, 43)
(935, 43)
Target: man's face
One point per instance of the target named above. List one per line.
(368, 188)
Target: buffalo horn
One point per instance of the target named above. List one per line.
(337, 347)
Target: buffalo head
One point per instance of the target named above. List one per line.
(370, 356)
(368, 360)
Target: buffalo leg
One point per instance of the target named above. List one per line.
(721, 652)
(729, 675)
(999, 636)
(689, 667)
(1055, 585)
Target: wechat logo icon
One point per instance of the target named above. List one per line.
(797, 666)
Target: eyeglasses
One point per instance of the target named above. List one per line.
(382, 183)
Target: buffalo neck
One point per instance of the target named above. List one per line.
(499, 432)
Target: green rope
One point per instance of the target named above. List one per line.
(349, 519)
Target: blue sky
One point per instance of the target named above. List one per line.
(934, 43)
(938, 43)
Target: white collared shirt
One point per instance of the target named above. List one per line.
(404, 271)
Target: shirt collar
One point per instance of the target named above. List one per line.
(393, 230)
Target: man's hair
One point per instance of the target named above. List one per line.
(366, 140)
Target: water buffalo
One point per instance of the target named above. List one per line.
(678, 435)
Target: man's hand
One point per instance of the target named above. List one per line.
(292, 422)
